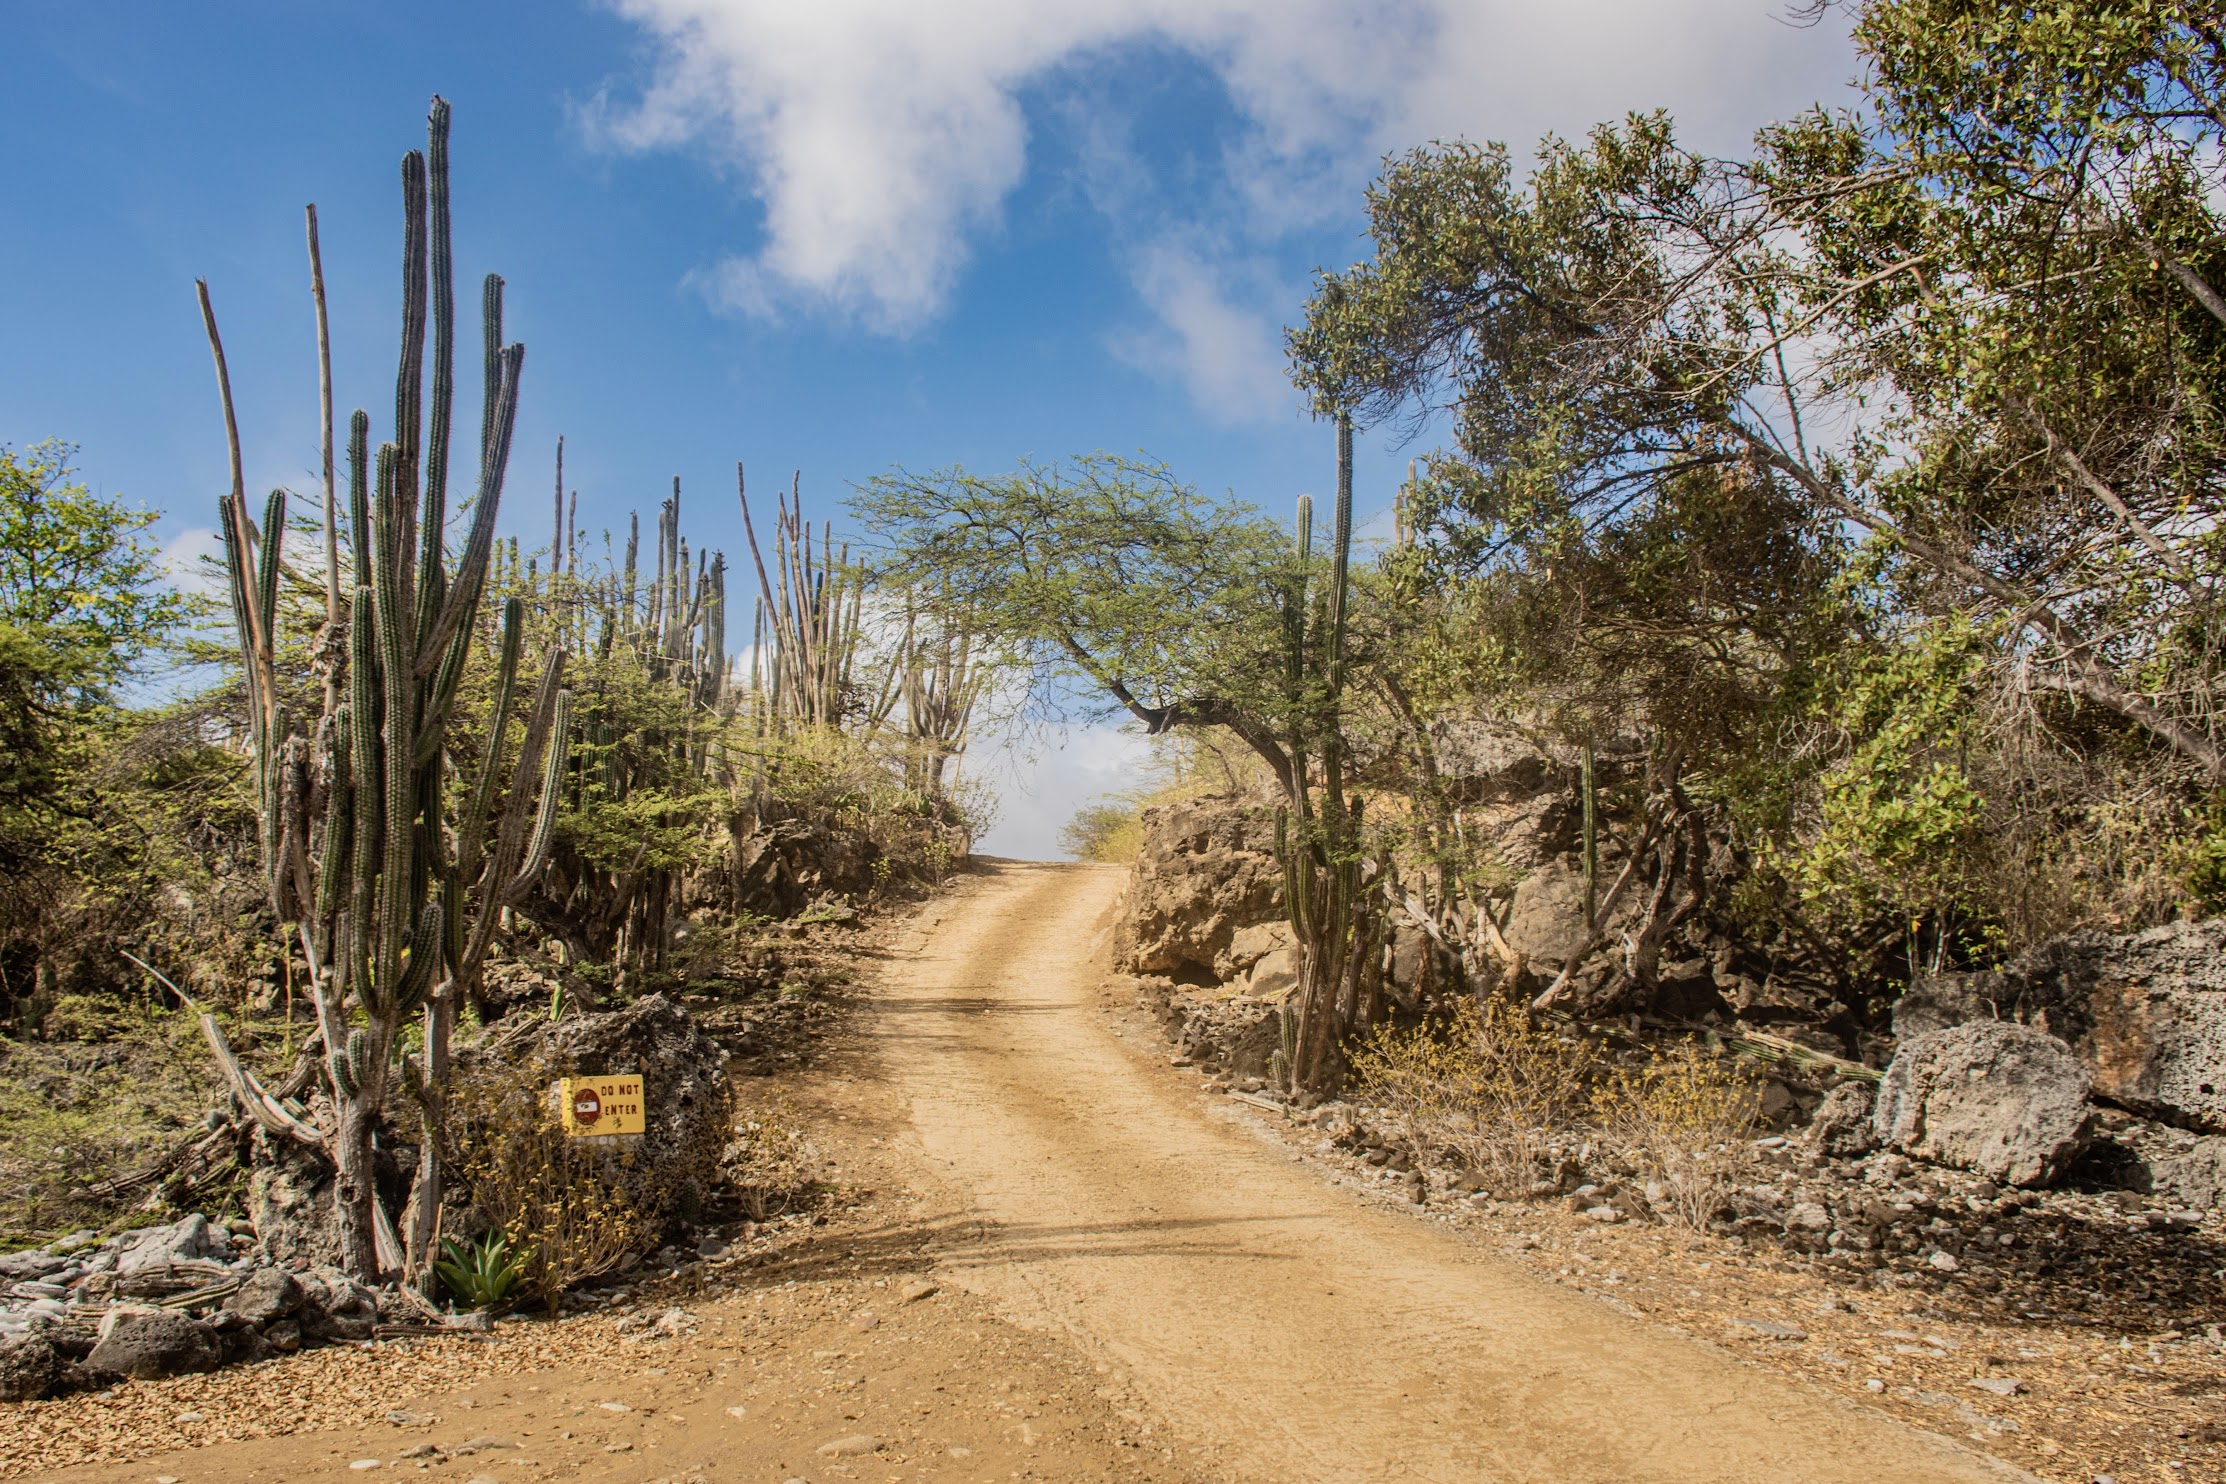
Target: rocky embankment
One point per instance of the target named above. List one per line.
(196, 1294)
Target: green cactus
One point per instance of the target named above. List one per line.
(1318, 842)
(393, 895)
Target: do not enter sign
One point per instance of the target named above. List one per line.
(598, 1107)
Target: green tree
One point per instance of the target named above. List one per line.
(81, 604)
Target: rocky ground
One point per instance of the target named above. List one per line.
(2075, 1331)
(819, 1347)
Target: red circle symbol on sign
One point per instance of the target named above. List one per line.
(586, 1106)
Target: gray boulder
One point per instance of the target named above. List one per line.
(2196, 1175)
(1545, 922)
(157, 1247)
(24, 1266)
(148, 1345)
(2006, 1101)
(265, 1296)
(2145, 1011)
(1842, 1124)
(30, 1367)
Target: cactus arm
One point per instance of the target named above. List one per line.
(409, 377)
(456, 613)
(435, 520)
(400, 739)
(425, 945)
(471, 843)
(543, 838)
(490, 319)
(359, 492)
(266, 588)
(339, 816)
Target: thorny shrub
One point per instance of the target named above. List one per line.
(556, 1200)
(1685, 1118)
(1488, 1086)
(771, 1163)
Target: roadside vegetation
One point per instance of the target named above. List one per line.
(271, 865)
(1843, 515)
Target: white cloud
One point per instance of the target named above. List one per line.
(1042, 788)
(186, 557)
(883, 136)
(1229, 357)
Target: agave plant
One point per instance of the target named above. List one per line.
(480, 1274)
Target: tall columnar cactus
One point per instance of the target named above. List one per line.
(393, 887)
(1325, 885)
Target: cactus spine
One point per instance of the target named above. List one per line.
(392, 919)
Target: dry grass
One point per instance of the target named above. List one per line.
(1489, 1088)
(771, 1163)
(566, 1214)
(1685, 1118)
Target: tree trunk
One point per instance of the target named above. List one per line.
(355, 1189)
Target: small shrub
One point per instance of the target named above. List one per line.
(555, 1201)
(1684, 1118)
(772, 1164)
(1488, 1086)
(1109, 832)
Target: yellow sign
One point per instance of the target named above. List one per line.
(597, 1107)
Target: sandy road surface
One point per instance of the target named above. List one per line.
(1288, 1330)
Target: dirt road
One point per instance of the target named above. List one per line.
(1287, 1329)
(1135, 1286)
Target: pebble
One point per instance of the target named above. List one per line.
(1944, 1261)
(485, 1444)
(190, 1417)
(1999, 1385)
(865, 1322)
(614, 1406)
(857, 1445)
(1772, 1328)
(738, 1413)
(367, 1463)
(917, 1289)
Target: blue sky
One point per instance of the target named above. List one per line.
(830, 237)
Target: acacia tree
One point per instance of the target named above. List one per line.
(1971, 329)
(1122, 590)
(1944, 283)
(80, 604)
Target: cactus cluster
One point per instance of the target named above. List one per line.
(392, 883)
(1327, 884)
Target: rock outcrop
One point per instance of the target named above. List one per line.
(2145, 1011)
(2005, 1101)
(1205, 878)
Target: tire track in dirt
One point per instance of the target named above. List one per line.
(1288, 1329)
